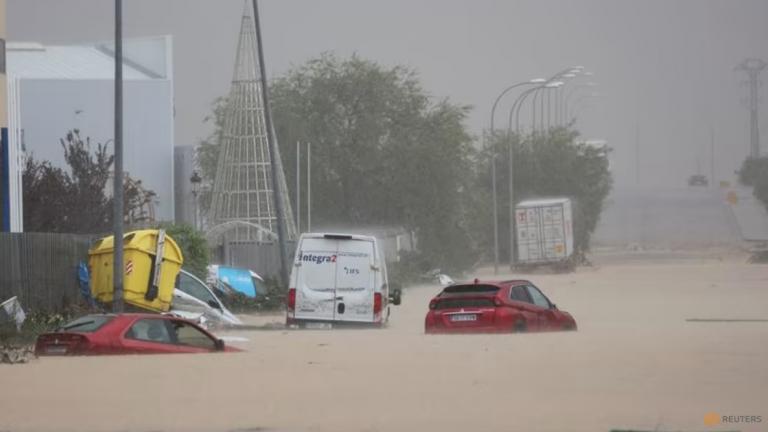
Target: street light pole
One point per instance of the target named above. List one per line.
(558, 92)
(534, 108)
(544, 84)
(117, 235)
(493, 171)
(515, 110)
(495, 215)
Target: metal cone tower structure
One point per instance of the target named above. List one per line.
(243, 201)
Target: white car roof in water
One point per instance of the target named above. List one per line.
(337, 236)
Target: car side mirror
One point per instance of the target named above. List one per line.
(213, 304)
(219, 345)
(553, 306)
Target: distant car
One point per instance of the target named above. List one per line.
(494, 307)
(129, 333)
(698, 180)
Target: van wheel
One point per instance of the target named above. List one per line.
(520, 326)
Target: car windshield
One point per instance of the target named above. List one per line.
(86, 324)
(195, 288)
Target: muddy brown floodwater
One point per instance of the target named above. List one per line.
(634, 363)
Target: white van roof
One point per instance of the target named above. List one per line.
(338, 236)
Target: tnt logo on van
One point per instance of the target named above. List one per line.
(317, 259)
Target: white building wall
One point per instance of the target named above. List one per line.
(51, 107)
(15, 156)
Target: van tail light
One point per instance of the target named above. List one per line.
(292, 299)
(376, 303)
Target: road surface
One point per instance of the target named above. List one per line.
(634, 363)
(676, 218)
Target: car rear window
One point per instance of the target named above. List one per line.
(471, 289)
(86, 324)
(459, 303)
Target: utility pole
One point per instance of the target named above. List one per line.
(637, 154)
(512, 213)
(495, 209)
(117, 196)
(281, 237)
(753, 67)
(712, 156)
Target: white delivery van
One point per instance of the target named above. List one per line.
(338, 279)
(544, 231)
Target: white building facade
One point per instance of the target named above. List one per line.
(54, 89)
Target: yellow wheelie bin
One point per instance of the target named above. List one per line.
(147, 284)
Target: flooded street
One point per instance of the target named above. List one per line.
(635, 363)
(167, 166)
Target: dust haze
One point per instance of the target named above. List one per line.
(669, 103)
(665, 69)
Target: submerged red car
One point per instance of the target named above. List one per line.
(494, 307)
(129, 333)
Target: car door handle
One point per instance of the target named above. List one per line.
(340, 298)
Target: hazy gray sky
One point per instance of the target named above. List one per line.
(665, 68)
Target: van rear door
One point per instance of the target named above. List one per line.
(316, 279)
(355, 280)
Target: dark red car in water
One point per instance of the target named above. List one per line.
(128, 333)
(494, 307)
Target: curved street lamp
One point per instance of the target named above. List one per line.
(516, 110)
(493, 171)
(546, 84)
(561, 102)
(551, 83)
(559, 97)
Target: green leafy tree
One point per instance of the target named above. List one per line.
(383, 153)
(754, 172)
(551, 164)
(45, 196)
(194, 247)
(75, 200)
